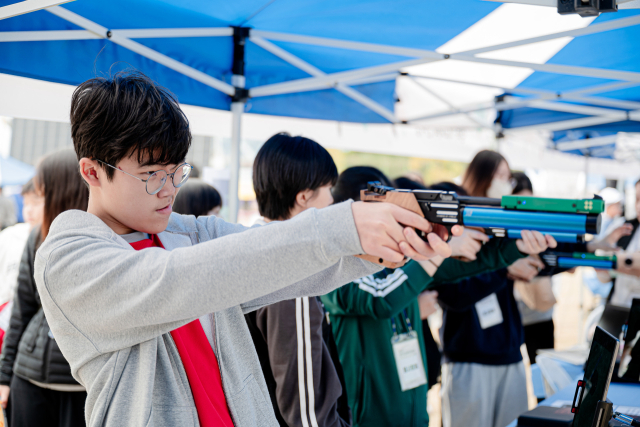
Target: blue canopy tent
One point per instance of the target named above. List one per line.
(14, 172)
(584, 113)
(239, 56)
(330, 59)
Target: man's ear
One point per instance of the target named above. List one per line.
(89, 169)
(303, 197)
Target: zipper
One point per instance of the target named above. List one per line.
(181, 367)
(217, 352)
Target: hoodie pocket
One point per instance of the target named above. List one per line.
(249, 407)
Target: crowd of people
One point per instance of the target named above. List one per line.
(133, 304)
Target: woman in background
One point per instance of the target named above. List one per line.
(32, 368)
(12, 242)
(483, 375)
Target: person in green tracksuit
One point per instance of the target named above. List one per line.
(364, 313)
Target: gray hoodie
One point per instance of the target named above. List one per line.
(111, 308)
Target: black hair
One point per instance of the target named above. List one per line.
(128, 114)
(351, 181)
(285, 166)
(408, 184)
(479, 174)
(197, 198)
(58, 179)
(28, 188)
(448, 186)
(522, 182)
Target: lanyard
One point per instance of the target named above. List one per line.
(406, 318)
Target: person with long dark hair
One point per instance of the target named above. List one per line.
(483, 376)
(33, 371)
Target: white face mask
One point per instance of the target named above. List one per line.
(499, 188)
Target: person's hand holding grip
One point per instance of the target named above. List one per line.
(4, 395)
(534, 242)
(387, 231)
(468, 244)
(525, 269)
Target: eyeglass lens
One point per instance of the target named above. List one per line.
(158, 179)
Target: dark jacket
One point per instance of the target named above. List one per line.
(463, 339)
(292, 341)
(361, 314)
(29, 350)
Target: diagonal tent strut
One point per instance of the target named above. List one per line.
(313, 71)
(27, 6)
(450, 105)
(142, 50)
(541, 95)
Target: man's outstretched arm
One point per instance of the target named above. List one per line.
(116, 297)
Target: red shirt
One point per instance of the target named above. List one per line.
(200, 363)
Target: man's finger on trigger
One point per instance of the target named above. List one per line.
(439, 246)
(409, 252)
(423, 250)
(410, 219)
(395, 231)
(457, 230)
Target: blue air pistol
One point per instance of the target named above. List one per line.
(567, 220)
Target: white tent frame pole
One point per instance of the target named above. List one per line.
(316, 83)
(30, 36)
(396, 50)
(448, 104)
(555, 68)
(143, 50)
(574, 95)
(27, 6)
(313, 71)
(569, 124)
(586, 143)
(607, 87)
(237, 109)
(546, 96)
(429, 56)
(330, 80)
(35, 36)
(591, 29)
(163, 33)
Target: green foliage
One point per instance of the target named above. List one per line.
(431, 170)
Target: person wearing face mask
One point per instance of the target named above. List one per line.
(483, 375)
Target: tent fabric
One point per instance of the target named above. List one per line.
(14, 172)
(604, 151)
(610, 50)
(405, 23)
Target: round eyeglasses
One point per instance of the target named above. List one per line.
(156, 180)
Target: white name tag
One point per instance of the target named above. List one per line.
(489, 312)
(406, 350)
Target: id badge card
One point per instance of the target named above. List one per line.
(489, 312)
(406, 350)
